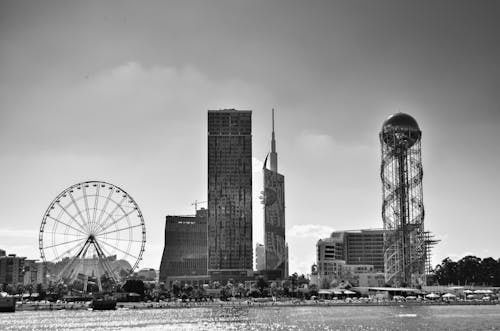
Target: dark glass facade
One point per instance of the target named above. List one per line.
(229, 191)
(185, 252)
(274, 221)
(365, 247)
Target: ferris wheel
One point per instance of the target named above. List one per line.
(88, 228)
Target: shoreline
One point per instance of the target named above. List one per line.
(248, 304)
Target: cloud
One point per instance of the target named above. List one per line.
(310, 230)
(257, 165)
(102, 111)
(17, 234)
(303, 239)
(315, 144)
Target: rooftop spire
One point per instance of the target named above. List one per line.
(273, 154)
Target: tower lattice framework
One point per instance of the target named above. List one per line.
(405, 250)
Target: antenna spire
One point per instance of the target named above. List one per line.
(273, 154)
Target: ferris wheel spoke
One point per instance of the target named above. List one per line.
(118, 220)
(70, 234)
(86, 202)
(122, 229)
(77, 208)
(118, 205)
(67, 251)
(65, 243)
(72, 217)
(96, 203)
(68, 225)
(120, 250)
(127, 240)
(108, 198)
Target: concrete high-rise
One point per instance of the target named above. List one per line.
(185, 251)
(12, 269)
(274, 212)
(351, 255)
(354, 247)
(230, 251)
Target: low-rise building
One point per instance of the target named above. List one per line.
(12, 269)
(146, 274)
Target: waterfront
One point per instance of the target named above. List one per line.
(400, 317)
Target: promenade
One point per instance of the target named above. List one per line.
(30, 306)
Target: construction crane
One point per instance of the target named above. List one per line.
(196, 203)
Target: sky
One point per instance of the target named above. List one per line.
(118, 91)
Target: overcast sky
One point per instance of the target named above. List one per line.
(119, 91)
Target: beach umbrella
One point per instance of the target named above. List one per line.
(471, 296)
(449, 296)
(432, 296)
(487, 291)
(347, 292)
(479, 291)
(468, 291)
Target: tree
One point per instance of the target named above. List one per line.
(302, 280)
(468, 270)
(446, 272)
(134, 286)
(261, 284)
(176, 288)
(488, 270)
(294, 280)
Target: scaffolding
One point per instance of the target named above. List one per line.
(430, 242)
(405, 248)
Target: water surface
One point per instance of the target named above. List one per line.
(262, 318)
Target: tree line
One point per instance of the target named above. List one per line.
(470, 270)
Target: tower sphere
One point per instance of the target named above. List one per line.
(400, 130)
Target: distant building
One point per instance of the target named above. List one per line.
(2, 252)
(185, 250)
(230, 251)
(12, 269)
(347, 253)
(260, 257)
(146, 274)
(354, 247)
(42, 274)
(274, 212)
(30, 272)
(370, 279)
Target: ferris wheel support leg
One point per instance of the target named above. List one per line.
(85, 283)
(69, 266)
(105, 263)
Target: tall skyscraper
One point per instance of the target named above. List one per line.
(230, 251)
(274, 212)
(405, 247)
